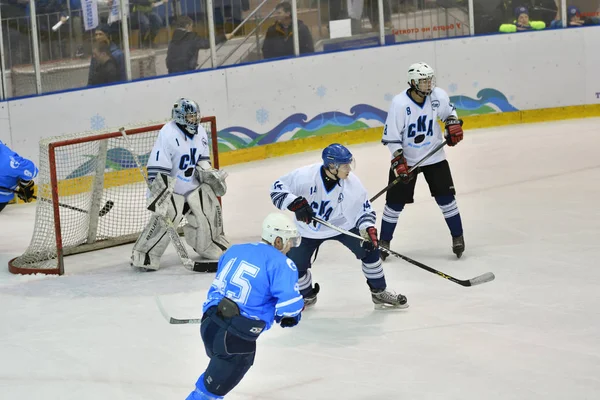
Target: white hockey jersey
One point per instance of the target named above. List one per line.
(415, 129)
(346, 205)
(177, 154)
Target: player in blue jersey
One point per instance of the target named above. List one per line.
(16, 176)
(256, 284)
(332, 192)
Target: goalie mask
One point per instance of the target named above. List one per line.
(421, 78)
(186, 113)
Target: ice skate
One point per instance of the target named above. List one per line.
(311, 299)
(383, 299)
(384, 254)
(458, 245)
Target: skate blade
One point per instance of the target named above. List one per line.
(390, 307)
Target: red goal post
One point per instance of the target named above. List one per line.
(91, 194)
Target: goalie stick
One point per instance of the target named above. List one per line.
(171, 320)
(412, 169)
(478, 280)
(179, 247)
(103, 211)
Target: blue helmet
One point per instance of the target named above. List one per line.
(336, 154)
(187, 114)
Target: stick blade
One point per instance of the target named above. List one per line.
(478, 280)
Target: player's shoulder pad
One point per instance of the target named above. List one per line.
(439, 94)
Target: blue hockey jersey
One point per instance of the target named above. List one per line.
(13, 167)
(261, 280)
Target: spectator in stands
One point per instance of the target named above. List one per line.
(146, 20)
(522, 23)
(182, 54)
(574, 19)
(105, 67)
(77, 26)
(101, 35)
(15, 30)
(279, 41)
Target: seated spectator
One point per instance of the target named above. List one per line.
(101, 35)
(105, 67)
(279, 40)
(574, 19)
(522, 23)
(182, 54)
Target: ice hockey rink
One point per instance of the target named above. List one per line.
(528, 196)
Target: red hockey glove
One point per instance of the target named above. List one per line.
(400, 166)
(454, 131)
(371, 242)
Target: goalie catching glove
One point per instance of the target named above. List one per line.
(454, 131)
(212, 177)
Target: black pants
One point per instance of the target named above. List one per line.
(438, 178)
(2, 205)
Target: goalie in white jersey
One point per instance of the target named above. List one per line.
(411, 132)
(179, 166)
(330, 191)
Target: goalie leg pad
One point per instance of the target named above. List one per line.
(153, 241)
(204, 230)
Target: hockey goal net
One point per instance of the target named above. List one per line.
(91, 195)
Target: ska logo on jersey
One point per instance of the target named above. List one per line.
(420, 130)
(188, 160)
(323, 211)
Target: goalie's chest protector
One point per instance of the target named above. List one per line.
(185, 152)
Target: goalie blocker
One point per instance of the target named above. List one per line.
(203, 232)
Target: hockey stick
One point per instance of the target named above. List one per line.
(103, 211)
(413, 168)
(171, 320)
(478, 280)
(179, 247)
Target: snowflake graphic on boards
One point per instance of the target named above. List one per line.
(97, 122)
(321, 91)
(262, 116)
(453, 87)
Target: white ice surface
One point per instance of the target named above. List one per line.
(528, 196)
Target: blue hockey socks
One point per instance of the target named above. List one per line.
(391, 213)
(450, 210)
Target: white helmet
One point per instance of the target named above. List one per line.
(278, 225)
(421, 78)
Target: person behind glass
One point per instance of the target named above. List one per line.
(256, 285)
(105, 67)
(522, 23)
(102, 35)
(279, 39)
(574, 19)
(146, 20)
(182, 54)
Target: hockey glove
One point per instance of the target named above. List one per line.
(25, 190)
(400, 166)
(302, 209)
(288, 322)
(371, 242)
(454, 131)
